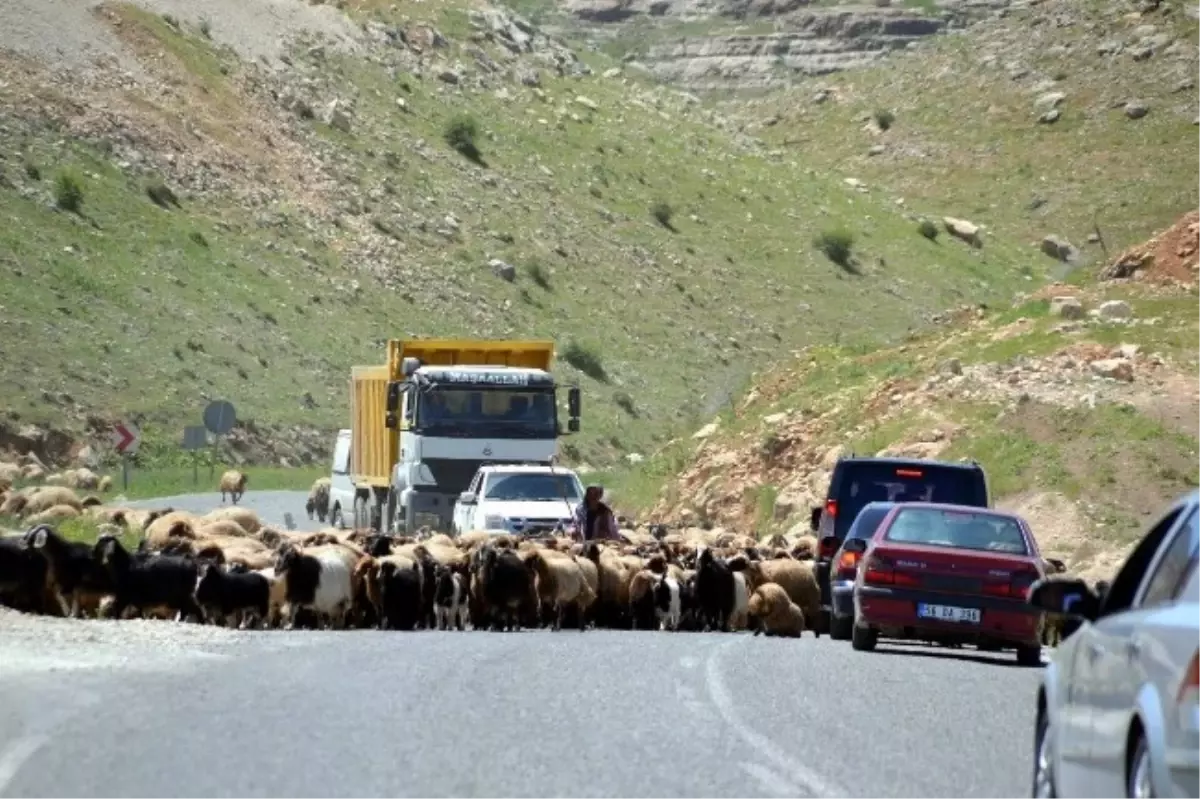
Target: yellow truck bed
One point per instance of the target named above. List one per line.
(470, 352)
(372, 444)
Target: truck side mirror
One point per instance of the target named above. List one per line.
(573, 425)
(573, 402)
(394, 390)
(390, 421)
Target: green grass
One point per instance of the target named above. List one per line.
(83, 529)
(141, 311)
(166, 481)
(965, 140)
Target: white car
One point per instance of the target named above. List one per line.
(518, 499)
(341, 489)
(1118, 712)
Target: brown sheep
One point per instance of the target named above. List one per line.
(318, 499)
(174, 525)
(641, 599)
(773, 612)
(796, 577)
(805, 548)
(233, 483)
(48, 496)
(53, 515)
(561, 584)
(105, 485)
(246, 519)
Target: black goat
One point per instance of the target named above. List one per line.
(148, 582)
(71, 567)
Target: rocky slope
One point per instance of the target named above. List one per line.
(243, 199)
(1081, 402)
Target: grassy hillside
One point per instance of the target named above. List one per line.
(1087, 426)
(1021, 124)
(202, 234)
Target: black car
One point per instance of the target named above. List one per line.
(858, 481)
(843, 567)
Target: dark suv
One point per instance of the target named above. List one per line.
(858, 481)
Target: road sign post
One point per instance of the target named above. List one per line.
(195, 438)
(219, 419)
(125, 438)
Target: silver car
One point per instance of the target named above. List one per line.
(1117, 711)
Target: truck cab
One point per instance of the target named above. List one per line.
(519, 499)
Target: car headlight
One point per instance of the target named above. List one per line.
(494, 523)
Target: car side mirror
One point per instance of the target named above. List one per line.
(1068, 597)
(466, 498)
(856, 545)
(815, 519)
(1056, 565)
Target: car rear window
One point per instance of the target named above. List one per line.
(862, 483)
(867, 521)
(987, 532)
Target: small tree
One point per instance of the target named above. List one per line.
(927, 229)
(662, 211)
(884, 118)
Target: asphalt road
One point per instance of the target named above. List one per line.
(600, 713)
(269, 505)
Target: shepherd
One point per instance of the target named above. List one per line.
(594, 520)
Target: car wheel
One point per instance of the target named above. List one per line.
(1043, 762)
(841, 628)
(1139, 783)
(1029, 656)
(863, 638)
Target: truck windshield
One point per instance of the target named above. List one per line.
(469, 412)
(532, 487)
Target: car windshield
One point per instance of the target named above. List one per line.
(957, 529)
(533, 487)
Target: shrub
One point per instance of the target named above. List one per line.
(663, 212)
(460, 134)
(837, 244)
(68, 192)
(928, 229)
(539, 275)
(884, 118)
(586, 360)
(625, 403)
(161, 195)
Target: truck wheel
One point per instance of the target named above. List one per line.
(391, 513)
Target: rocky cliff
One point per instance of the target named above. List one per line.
(704, 45)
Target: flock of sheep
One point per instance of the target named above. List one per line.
(228, 568)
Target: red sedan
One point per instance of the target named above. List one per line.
(949, 574)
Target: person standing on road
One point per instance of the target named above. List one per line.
(594, 520)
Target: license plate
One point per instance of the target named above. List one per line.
(948, 613)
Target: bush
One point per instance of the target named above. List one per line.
(161, 195)
(837, 244)
(884, 118)
(460, 134)
(625, 403)
(928, 229)
(68, 192)
(539, 275)
(663, 212)
(586, 360)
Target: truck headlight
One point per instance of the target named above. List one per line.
(494, 523)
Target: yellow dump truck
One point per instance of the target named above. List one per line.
(424, 422)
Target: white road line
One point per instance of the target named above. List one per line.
(15, 754)
(812, 782)
(771, 781)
